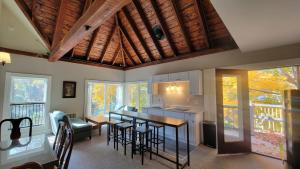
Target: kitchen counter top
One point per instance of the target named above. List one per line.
(176, 110)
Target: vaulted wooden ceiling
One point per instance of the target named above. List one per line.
(126, 39)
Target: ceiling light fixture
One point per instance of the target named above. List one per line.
(158, 32)
(4, 58)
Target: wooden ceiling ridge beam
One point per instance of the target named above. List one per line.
(92, 42)
(111, 34)
(203, 22)
(132, 45)
(120, 39)
(137, 33)
(116, 54)
(59, 25)
(186, 36)
(128, 56)
(33, 21)
(164, 27)
(96, 15)
(145, 21)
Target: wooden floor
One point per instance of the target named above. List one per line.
(95, 154)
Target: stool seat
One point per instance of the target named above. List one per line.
(142, 129)
(155, 125)
(126, 119)
(140, 121)
(114, 121)
(124, 125)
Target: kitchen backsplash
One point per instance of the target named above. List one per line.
(177, 94)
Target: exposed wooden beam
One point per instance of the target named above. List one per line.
(19, 52)
(128, 56)
(132, 45)
(137, 33)
(88, 62)
(111, 34)
(147, 24)
(163, 26)
(203, 23)
(31, 18)
(116, 54)
(65, 58)
(185, 56)
(58, 32)
(96, 14)
(92, 42)
(181, 24)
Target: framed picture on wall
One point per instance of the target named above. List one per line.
(69, 89)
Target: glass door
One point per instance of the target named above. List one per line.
(102, 97)
(233, 120)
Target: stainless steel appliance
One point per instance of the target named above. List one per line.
(292, 111)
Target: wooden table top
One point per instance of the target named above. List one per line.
(99, 119)
(169, 121)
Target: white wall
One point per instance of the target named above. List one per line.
(60, 71)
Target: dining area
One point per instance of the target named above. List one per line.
(146, 133)
(23, 150)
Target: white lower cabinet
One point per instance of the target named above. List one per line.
(192, 118)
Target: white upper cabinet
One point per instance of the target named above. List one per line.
(181, 76)
(194, 77)
(196, 86)
(161, 78)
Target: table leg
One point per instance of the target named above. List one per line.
(134, 136)
(177, 149)
(100, 126)
(108, 133)
(188, 143)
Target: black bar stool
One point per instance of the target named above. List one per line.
(144, 142)
(111, 127)
(156, 141)
(123, 127)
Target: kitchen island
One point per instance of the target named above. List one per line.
(193, 117)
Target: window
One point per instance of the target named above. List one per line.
(28, 96)
(103, 97)
(137, 95)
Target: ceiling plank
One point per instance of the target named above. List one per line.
(127, 37)
(128, 56)
(92, 42)
(58, 32)
(31, 18)
(137, 33)
(145, 21)
(111, 34)
(164, 26)
(96, 14)
(203, 23)
(181, 24)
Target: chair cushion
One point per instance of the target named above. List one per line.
(79, 125)
(55, 117)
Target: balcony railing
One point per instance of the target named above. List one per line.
(264, 118)
(35, 111)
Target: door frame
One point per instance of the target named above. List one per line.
(233, 147)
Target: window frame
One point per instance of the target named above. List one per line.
(138, 83)
(7, 98)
